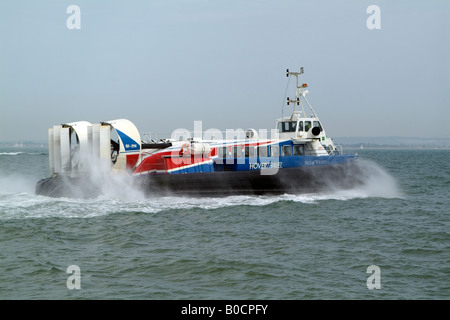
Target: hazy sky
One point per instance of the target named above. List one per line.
(163, 64)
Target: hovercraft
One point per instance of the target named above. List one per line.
(295, 157)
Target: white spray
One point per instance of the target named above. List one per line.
(374, 181)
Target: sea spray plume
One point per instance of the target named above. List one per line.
(15, 177)
(359, 179)
(91, 177)
(16, 183)
(100, 180)
(378, 182)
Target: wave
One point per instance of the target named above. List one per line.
(17, 197)
(22, 153)
(10, 153)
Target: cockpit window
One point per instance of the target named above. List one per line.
(287, 126)
(307, 125)
(317, 124)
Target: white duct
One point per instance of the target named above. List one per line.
(57, 149)
(91, 148)
(95, 143)
(130, 139)
(65, 150)
(50, 151)
(105, 148)
(129, 142)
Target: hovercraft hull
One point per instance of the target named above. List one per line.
(285, 181)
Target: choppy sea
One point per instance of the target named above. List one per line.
(310, 246)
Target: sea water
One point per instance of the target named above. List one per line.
(311, 246)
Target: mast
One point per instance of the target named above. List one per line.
(300, 91)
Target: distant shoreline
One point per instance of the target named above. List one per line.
(44, 145)
(396, 148)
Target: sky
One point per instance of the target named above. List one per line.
(165, 64)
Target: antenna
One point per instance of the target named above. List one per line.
(298, 92)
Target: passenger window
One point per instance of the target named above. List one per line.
(287, 151)
(299, 150)
(274, 151)
(237, 152)
(300, 126)
(249, 152)
(223, 152)
(262, 151)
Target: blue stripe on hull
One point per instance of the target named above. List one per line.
(199, 168)
(248, 164)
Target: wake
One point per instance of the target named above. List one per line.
(119, 194)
